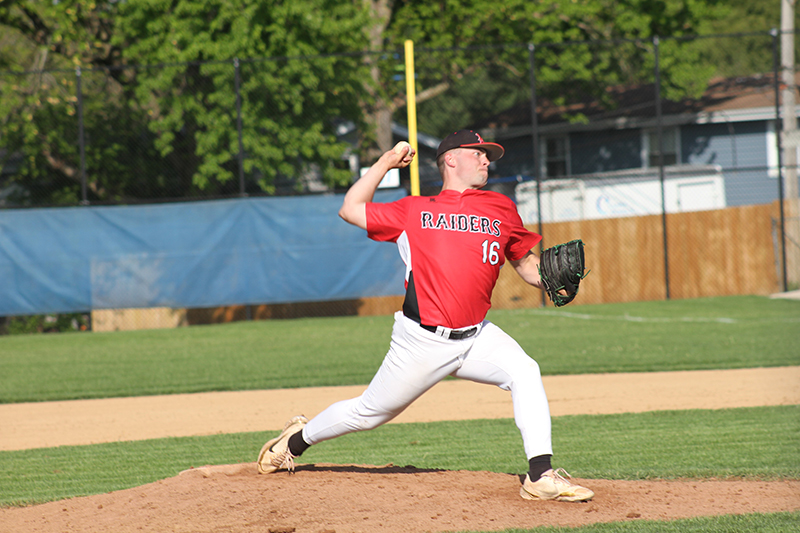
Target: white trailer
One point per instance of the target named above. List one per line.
(623, 193)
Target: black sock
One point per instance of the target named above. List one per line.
(537, 466)
(297, 445)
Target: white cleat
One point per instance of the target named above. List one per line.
(554, 485)
(275, 454)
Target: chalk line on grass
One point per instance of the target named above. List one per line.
(631, 318)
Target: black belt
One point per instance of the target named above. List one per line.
(455, 335)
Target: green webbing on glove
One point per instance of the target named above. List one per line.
(561, 267)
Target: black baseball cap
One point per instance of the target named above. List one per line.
(470, 139)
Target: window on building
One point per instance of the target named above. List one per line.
(555, 157)
(670, 143)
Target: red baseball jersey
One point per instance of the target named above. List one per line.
(453, 246)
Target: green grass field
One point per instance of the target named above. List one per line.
(714, 333)
(733, 332)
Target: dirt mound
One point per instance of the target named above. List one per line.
(348, 499)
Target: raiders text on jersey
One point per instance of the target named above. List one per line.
(460, 222)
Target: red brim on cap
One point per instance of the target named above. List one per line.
(493, 151)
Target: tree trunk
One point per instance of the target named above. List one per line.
(379, 115)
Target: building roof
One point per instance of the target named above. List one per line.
(724, 100)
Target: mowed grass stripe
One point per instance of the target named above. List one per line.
(756, 522)
(756, 443)
(708, 333)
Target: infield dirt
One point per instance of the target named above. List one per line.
(388, 498)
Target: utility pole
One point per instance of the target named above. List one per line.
(791, 142)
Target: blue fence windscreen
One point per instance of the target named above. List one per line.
(203, 254)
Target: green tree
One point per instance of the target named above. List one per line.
(743, 55)
(159, 101)
(290, 102)
(45, 44)
(618, 49)
(158, 78)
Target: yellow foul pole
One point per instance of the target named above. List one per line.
(411, 105)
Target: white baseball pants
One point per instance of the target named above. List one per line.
(418, 359)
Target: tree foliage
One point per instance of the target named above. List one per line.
(49, 42)
(161, 110)
(158, 78)
(746, 54)
(580, 47)
(289, 104)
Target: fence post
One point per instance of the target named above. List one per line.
(248, 309)
(239, 125)
(81, 140)
(535, 140)
(659, 129)
(779, 143)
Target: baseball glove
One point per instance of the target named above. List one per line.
(562, 267)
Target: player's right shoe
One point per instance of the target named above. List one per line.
(275, 454)
(554, 485)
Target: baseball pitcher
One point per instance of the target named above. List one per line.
(453, 246)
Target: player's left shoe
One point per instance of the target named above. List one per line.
(554, 485)
(275, 454)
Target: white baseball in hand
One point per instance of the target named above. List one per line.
(402, 145)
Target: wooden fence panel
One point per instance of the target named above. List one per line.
(711, 253)
(722, 252)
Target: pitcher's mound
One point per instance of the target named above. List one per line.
(349, 498)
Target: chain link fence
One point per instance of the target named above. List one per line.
(660, 154)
